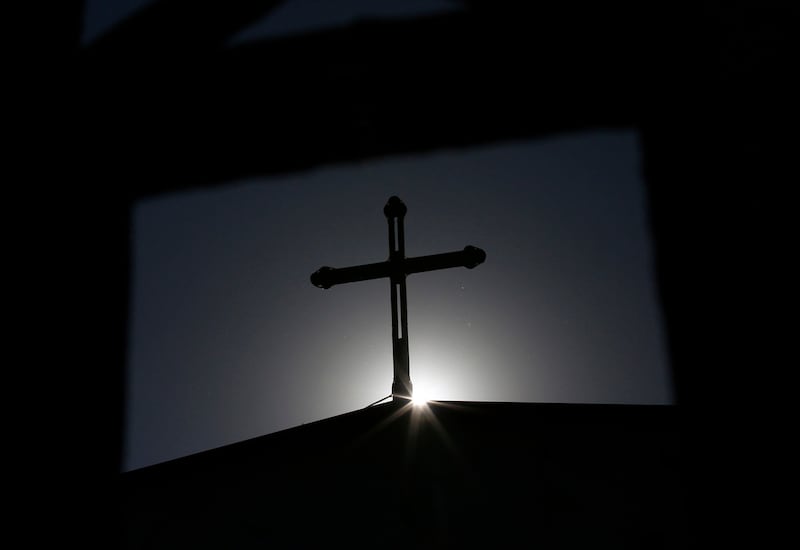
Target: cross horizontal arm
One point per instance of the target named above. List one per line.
(326, 277)
(470, 257)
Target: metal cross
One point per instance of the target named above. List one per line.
(396, 268)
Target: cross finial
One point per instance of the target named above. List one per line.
(396, 268)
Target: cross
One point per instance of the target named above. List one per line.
(396, 268)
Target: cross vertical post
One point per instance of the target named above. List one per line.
(395, 212)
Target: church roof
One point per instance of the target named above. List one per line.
(444, 473)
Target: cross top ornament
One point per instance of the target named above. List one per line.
(396, 269)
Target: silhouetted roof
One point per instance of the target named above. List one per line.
(451, 472)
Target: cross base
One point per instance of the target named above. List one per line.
(402, 391)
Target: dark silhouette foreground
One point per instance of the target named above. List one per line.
(452, 474)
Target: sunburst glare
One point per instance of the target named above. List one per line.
(419, 398)
(425, 389)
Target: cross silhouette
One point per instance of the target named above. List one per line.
(396, 268)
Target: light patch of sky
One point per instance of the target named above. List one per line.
(300, 16)
(101, 15)
(291, 17)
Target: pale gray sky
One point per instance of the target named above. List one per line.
(229, 339)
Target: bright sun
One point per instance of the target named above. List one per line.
(423, 393)
(418, 398)
(426, 388)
